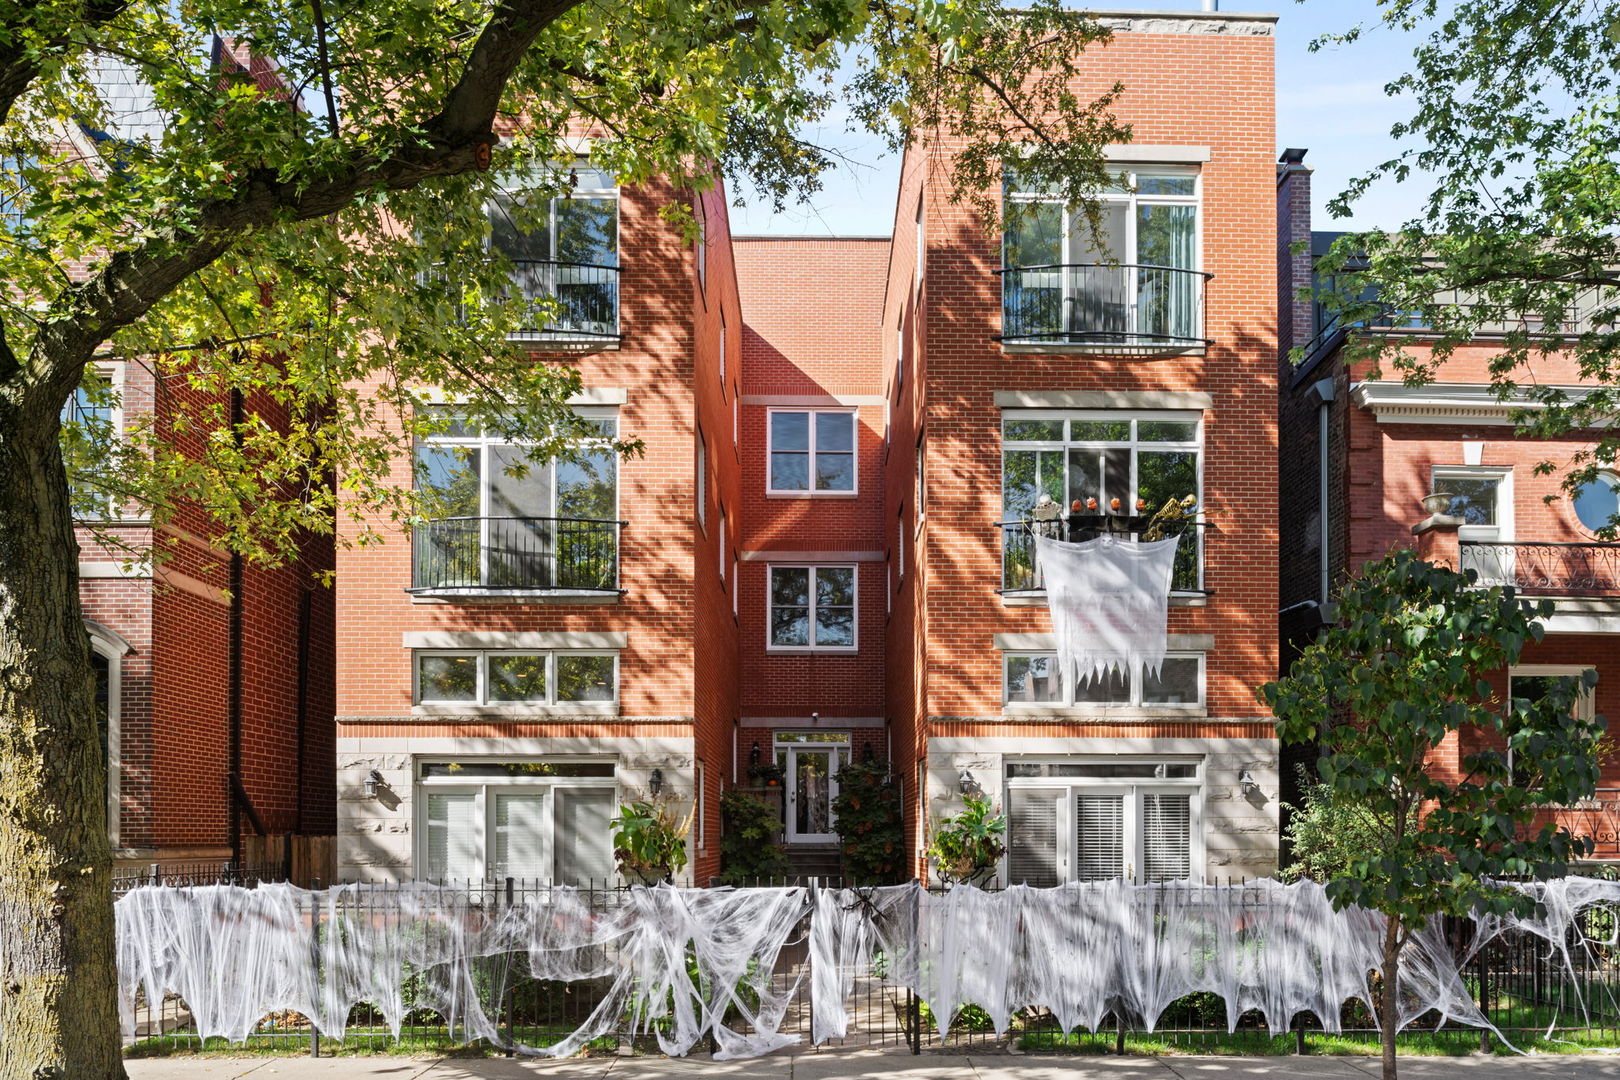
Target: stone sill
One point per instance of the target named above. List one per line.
(513, 596)
(1038, 599)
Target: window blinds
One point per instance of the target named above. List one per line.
(1166, 836)
(1100, 836)
(520, 850)
(452, 827)
(1032, 836)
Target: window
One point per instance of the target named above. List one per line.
(702, 480)
(900, 541)
(540, 820)
(564, 249)
(1533, 681)
(698, 809)
(921, 480)
(1132, 280)
(1094, 459)
(736, 586)
(1035, 679)
(1078, 820)
(721, 545)
(1598, 501)
(92, 423)
(1483, 498)
(812, 452)
(516, 678)
(812, 607)
(701, 248)
(501, 520)
(106, 661)
(722, 352)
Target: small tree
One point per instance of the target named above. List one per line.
(1403, 671)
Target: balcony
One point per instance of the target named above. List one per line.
(484, 556)
(1545, 569)
(1021, 572)
(586, 296)
(1103, 307)
(1597, 817)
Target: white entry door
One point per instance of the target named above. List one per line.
(812, 784)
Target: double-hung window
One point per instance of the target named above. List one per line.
(1036, 680)
(1129, 277)
(1483, 498)
(92, 421)
(486, 820)
(812, 607)
(1098, 467)
(506, 678)
(1079, 820)
(564, 251)
(500, 520)
(812, 452)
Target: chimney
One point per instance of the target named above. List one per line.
(1293, 270)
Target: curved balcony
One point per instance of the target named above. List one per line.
(1545, 569)
(1103, 306)
(587, 301)
(484, 555)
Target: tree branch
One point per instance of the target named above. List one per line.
(21, 53)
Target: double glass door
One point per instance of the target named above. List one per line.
(811, 761)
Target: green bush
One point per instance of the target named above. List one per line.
(970, 841)
(871, 828)
(748, 848)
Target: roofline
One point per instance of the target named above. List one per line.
(875, 238)
(1182, 13)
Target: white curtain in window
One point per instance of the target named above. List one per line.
(1110, 601)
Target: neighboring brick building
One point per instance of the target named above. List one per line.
(1359, 455)
(1057, 373)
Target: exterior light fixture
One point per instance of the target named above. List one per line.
(373, 781)
(656, 781)
(965, 783)
(1246, 782)
(753, 755)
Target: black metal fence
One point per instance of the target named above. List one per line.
(1103, 305)
(1545, 568)
(584, 299)
(1522, 984)
(1021, 571)
(483, 553)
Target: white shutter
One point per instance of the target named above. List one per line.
(1166, 837)
(452, 836)
(520, 835)
(1032, 836)
(584, 842)
(1100, 831)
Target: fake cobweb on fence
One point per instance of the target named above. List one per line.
(685, 965)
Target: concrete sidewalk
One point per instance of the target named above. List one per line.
(885, 1065)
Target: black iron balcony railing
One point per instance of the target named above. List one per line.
(1544, 568)
(1021, 571)
(1597, 818)
(586, 295)
(516, 553)
(1099, 304)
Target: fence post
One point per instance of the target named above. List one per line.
(913, 1023)
(1299, 1034)
(315, 963)
(511, 1037)
(157, 874)
(1119, 1033)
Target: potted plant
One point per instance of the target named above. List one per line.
(966, 847)
(649, 842)
(767, 775)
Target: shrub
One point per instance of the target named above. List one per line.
(871, 828)
(748, 848)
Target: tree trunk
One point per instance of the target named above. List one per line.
(1389, 999)
(58, 975)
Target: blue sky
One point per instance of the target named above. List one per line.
(1331, 102)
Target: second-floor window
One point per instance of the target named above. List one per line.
(516, 678)
(812, 607)
(1035, 679)
(812, 452)
(1132, 279)
(1483, 498)
(1098, 468)
(502, 520)
(564, 249)
(91, 430)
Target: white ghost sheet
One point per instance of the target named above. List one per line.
(1109, 599)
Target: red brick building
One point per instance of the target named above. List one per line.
(1359, 456)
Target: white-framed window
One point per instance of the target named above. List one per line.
(489, 819)
(1533, 681)
(1598, 501)
(699, 810)
(1134, 279)
(1483, 497)
(922, 244)
(564, 249)
(107, 662)
(736, 422)
(812, 452)
(812, 607)
(1034, 679)
(1078, 819)
(502, 520)
(723, 336)
(702, 481)
(701, 249)
(92, 436)
(444, 677)
(1108, 462)
(736, 585)
(900, 541)
(921, 478)
(721, 545)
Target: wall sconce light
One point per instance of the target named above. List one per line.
(1246, 783)
(656, 781)
(966, 784)
(753, 756)
(373, 781)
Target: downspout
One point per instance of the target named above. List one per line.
(1324, 390)
(233, 703)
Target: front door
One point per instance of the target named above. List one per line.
(812, 784)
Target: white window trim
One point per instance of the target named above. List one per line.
(484, 440)
(482, 702)
(811, 492)
(483, 817)
(1131, 199)
(720, 546)
(855, 607)
(1113, 416)
(1068, 703)
(113, 653)
(1585, 705)
(1133, 788)
(700, 818)
(702, 482)
(701, 246)
(1503, 474)
(723, 333)
(115, 372)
